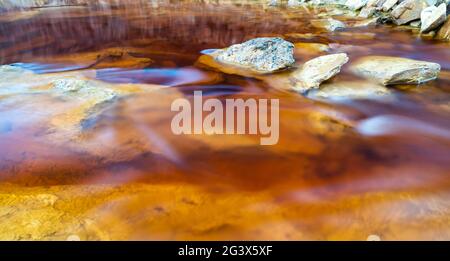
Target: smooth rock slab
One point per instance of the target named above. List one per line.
(264, 55)
(318, 70)
(432, 17)
(396, 70)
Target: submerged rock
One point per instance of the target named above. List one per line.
(396, 70)
(408, 10)
(349, 89)
(84, 89)
(318, 70)
(263, 55)
(329, 24)
(432, 17)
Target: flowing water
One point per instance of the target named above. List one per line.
(343, 169)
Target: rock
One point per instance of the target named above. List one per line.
(356, 4)
(388, 5)
(264, 55)
(349, 89)
(84, 90)
(444, 32)
(375, 3)
(318, 70)
(329, 24)
(368, 22)
(407, 11)
(367, 12)
(415, 24)
(396, 70)
(432, 17)
(294, 3)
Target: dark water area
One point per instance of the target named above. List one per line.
(376, 162)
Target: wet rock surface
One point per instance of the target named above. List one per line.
(350, 90)
(432, 17)
(318, 70)
(395, 70)
(263, 55)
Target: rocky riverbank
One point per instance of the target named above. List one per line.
(431, 16)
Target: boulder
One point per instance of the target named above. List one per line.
(318, 70)
(408, 10)
(396, 70)
(432, 17)
(264, 55)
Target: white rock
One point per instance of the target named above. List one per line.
(318, 70)
(396, 70)
(389, 4)
(356, 4)
(432, 17)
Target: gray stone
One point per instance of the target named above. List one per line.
(264, 55)
(396, 70)
(407, 11)
(318, 70)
